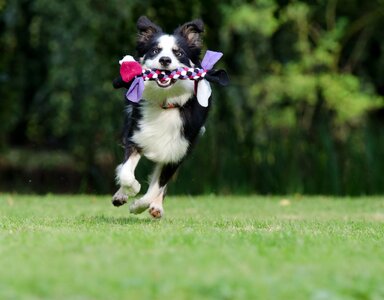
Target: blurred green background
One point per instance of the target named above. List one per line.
(304, 112)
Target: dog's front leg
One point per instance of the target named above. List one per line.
(125, 175)
(154, 197)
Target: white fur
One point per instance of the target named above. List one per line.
(126, 175)
(120, 196)
(160, 134)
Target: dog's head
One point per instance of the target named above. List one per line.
(159, 50)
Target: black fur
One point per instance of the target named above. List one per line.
(147, 32)
(194, 117)
(189, 38)
(132, 117)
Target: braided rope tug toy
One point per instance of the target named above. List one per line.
(132, 71)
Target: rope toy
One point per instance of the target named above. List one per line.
(180, 73)
(132, 77)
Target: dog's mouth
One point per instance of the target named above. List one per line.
(164, 83)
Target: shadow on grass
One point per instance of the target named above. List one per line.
(115, 220)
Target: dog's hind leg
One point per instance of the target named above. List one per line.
(140, 205)
(156, 209)
(125, 175)
(154, 197)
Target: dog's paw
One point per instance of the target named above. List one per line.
(131, 187)
(119, 198)
(138, 206)
(156, 211)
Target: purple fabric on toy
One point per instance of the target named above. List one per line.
(136, 90)
(210, 58)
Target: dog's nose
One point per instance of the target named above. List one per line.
(165, 61)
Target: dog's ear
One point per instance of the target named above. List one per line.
(146, 30)
(191, 31)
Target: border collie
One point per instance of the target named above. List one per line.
(164, 125)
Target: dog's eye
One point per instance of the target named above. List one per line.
(178, 53)
(155, 51)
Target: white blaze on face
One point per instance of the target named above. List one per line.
(167, 43)
(181, 90)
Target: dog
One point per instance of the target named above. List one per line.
(165, 125)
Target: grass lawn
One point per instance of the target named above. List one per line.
(209, 247)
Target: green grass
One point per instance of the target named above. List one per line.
(80, 247)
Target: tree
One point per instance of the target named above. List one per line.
(303, 113)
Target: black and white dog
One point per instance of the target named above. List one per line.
(163, 126)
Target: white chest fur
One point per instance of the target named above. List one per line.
(160, 134)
